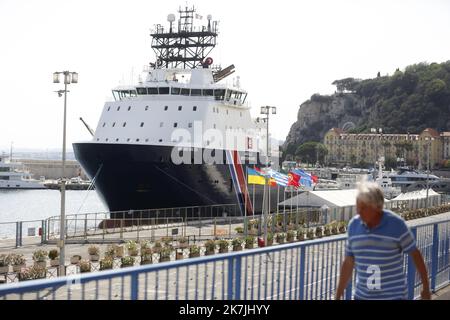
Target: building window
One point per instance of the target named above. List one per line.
(175, 125)
(190, 125)
(124, 124)
(117, 139)
(146, 108)
(142, 124)
(195, 108)
(180, 107)
(161, 124)
(118, 108)
(114, 124)
(128, 140)
(129, 108)
(166, 107)
(106, 139)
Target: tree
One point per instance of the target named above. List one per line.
(347, 84)
(311, 152)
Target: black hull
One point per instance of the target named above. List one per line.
(140, 177)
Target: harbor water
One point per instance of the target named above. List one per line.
(26, 205)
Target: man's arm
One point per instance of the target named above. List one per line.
(346, 274)
(422, 269)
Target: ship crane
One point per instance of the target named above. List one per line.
(87, 127)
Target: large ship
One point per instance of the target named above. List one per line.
(182, 137)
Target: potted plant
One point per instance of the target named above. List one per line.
(334, 227)
(319, 232)
(210, 247)
(194, 251)
(165, 253)
(300, 234)
(118, 251)
(280, 237)
(17, 261)
(4, 263)
(310, 233)
(290, 235)
(106, 263)
(40, 258)
(75, 259)
(239, 230)
(53, 256)
(157, 247)
(223, 245)
(326, 231)
(269, 239)
(146, 253)
(132, 248)
(237, 244)
(94, 252)
(249, 242)
(182, 242)
(127, 262)
(32, 273)
(85, 266)
(110, 252)
(342, 227)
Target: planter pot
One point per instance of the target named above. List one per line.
(209, 253)
(94, 257)
(179, 256)
(119, 252)
(4, 269)
(126, 265)
(342, 230)
(223, 250)
(74, 260)
(183, 245)
(280, 241)
(249, 246)
(133, 253)
(164, 259)
(54, 263)
(41, 264)
(18, 268)
(301, 237)
(290, 239)
(194, 255)
(144, 262)
(237, 248)
(327, 233)
(269, 242)
(84, 271)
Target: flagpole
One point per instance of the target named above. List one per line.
(278, 196)
(246, 191)
(253, 199)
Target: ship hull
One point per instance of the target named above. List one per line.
(141, 177)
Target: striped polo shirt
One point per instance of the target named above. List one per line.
(378, 255)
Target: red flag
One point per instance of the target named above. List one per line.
(314, 178)
(294, 179)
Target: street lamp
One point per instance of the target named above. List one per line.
(266, 110)
(69, 77)
(429, 140)
(377, 158)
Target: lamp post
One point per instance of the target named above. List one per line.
(377, 158)
(266, 110)
(429, 140)
(69, 77)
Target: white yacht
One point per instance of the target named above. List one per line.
(13, 177)
(405, 177)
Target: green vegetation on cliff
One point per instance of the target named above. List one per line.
(407, 101)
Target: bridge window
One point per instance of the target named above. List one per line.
(141, 90)
(219, 94)
(180, 108)
(208, 92)
(185, 92)
(175, 91)
(163, 90)
(175, 125)
(152, 90)
(166, 108)
(194, 108)
(196, 92)
(142, 124)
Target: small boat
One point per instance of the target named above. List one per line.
(13, 177)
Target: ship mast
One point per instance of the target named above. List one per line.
(184, 46)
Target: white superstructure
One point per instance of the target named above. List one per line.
(12, 177)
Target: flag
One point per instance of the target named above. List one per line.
(279, 178)
(272, 182)
(254, 177)
(307, 178)
(294, 180)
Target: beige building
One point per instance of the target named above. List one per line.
(364, 149)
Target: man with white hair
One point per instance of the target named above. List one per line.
(377, 241)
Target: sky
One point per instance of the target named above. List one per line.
(284, 51)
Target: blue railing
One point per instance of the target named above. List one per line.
(299, 271)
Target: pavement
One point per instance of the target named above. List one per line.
(443, 294)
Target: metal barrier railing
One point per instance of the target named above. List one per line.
(303, 270)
